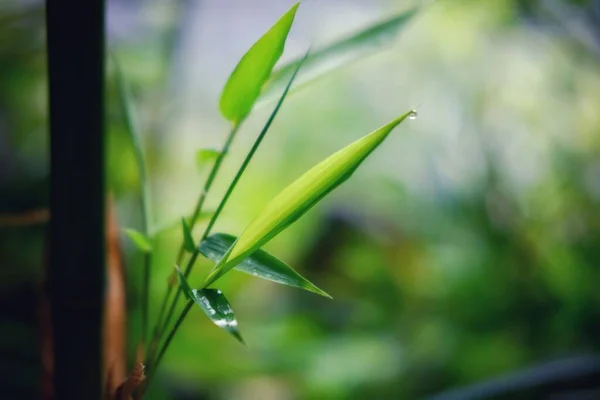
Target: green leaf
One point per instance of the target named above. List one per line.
(260, 264)
(140, 241)
(214, 304)
(183, 283)
(205, 156)
(300, 196)
(172, 225)
(188, 239)
(342, 52)
(247, 79)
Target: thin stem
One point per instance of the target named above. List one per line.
(132, 129)
(250, 154)
(161, 326)
(164, 347)
(230, 189)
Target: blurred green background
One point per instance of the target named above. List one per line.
(466, 248)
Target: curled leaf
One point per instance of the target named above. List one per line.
(188, 240)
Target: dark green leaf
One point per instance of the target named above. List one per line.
(188, 240)
(214, 304)
(250, 74)
(185, 287)
(342, 52)
(140, 241)
(260, 264)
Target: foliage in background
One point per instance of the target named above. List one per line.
(476, 258)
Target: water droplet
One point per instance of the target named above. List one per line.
(219, 292)
(412, 115)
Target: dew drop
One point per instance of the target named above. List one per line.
(412, 115)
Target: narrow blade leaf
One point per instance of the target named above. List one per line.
(139, 240)
(260, 264)
(188, 240)
(342, 52)
(300, 196)
(247, 79)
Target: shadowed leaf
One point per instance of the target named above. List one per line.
(215, 306)
(260, 264)
(188, 240)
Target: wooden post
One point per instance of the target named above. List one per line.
(75, 40)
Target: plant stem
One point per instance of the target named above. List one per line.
(230, 189)
(133, 131)
(163, 349)
(250, 154)
(217, 212)
(161, 326)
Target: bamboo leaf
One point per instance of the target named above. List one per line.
(214, 304)
(342, 52)
(188, 239)
(140, 240)
(300, 196)
(260, 264)
(247, 79)
(205, 156)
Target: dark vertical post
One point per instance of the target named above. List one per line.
(75, 39)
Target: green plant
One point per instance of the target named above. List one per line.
(252, 77)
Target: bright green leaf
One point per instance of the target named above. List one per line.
(250, 74)
(214, 304)
(300, 196)
(188, 239)
(205, 156)
(140, 241)
(342, 52)
(260, 264)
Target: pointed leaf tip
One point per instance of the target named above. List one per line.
(188, 240)
(300, 196)
(249, 76)
(260, 264)
(218, 310)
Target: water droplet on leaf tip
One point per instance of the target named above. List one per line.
(412, 115)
